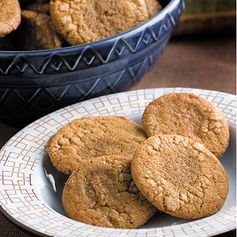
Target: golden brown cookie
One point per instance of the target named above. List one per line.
(153, 7)
(91, 137)
(188, 115)
(180, 176)
(37, 32)
(10, 16)
(40, 6)
(122, 124)
(88, 21)
(101, 192)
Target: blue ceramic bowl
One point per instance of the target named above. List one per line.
(34, 83)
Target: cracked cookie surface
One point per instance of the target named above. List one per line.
(10, 16)
(37, 32)
(91, 137)
(180, 176)
(88, 21)
(101, 192)
(188, 115)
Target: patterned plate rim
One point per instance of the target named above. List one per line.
(224, 220)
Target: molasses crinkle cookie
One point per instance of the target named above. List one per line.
(91, 137)
(188, 115)
(10, 16)
(88, 21)
(180, 176)
(101, 192)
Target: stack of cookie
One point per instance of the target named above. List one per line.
(119, 177)
(97, 152)
(56, 23)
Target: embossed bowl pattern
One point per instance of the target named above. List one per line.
(34, 83)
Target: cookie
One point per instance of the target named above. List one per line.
(153, 7)
(188, 115)
(101, 192)
(10, 16)
(91, 137)
(122, 124)
(37, 32)
(180, 176)
(88, 21)
(40, 6)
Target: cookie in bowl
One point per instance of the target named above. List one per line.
(37, 32)
(10, 16)
(93, 20)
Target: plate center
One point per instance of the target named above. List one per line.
(50, 183)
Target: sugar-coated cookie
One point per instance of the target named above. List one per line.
(101, 192)
(10, 16)
(88, 21)
(91, 137)
(180, 176)
(188, 115)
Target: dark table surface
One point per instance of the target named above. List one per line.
(206, 63)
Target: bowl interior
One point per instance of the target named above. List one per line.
(50, 183)
(164, 4)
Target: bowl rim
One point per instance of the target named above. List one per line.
(160, 15)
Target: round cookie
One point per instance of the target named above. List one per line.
(188, 115)
(180, 176)
(91, 137)
(153, 7)
(101, 192)
(88, 21)
(10, 16)
(37, 32)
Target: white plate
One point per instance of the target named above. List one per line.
(30, 187)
